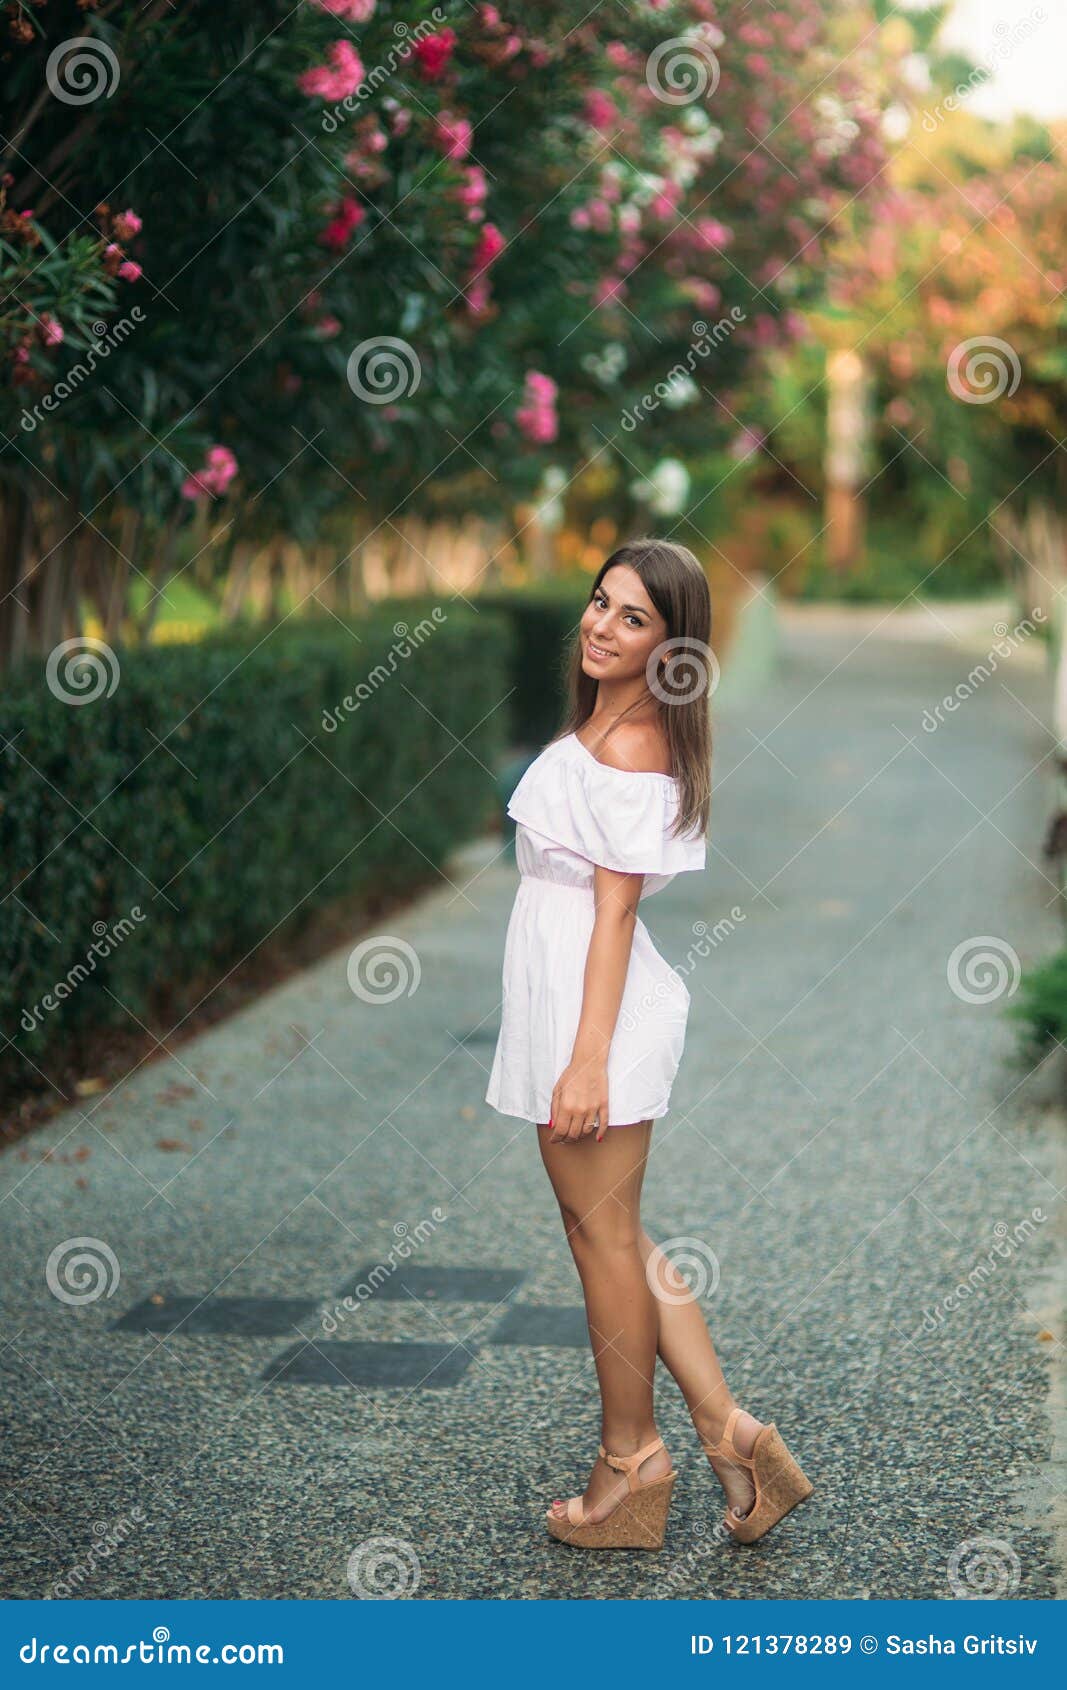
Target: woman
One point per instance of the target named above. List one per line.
(593, 1025)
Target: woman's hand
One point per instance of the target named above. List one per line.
(579, 1102)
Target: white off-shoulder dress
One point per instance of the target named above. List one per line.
(574, 812)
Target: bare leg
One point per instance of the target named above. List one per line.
(685, 1347)
(598, 1188)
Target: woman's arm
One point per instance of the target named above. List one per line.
(581, 1092)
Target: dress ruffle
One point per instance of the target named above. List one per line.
(612, 817)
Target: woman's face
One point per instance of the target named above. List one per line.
(620, 627)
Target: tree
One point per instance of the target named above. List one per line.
(388, 260)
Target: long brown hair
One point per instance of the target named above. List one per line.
(677, 586)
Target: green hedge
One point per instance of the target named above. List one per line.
(1041, 1007)
(249, 815)
(543, 621)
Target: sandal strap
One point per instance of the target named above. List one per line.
(629, 1464)
(575, 1510)
(725, 1446)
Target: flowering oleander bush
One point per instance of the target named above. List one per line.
(388, 257)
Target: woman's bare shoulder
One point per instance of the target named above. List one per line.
(637, 747)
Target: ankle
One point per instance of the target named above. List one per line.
(624, 1440)
(710, 1416)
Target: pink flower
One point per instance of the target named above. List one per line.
(477, 296)
(712, 233)
(50, 330)
(491, 244)
(537, 417)
(342, 226)
(490, 17)
(127, 224)
(609, 288)
(666, 199)
(433, 53)
(337, 80)
(600, 111)
(453, 135)
(472, 192)
(218, 470)
(357, 11)
(327, 327)
(130, 271)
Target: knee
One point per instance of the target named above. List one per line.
(601, 1232)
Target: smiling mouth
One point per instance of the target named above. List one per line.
(595, 650)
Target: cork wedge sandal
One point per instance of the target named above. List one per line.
(639, 1521)
(778, 1480)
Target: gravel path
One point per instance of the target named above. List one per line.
(850, 1143)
